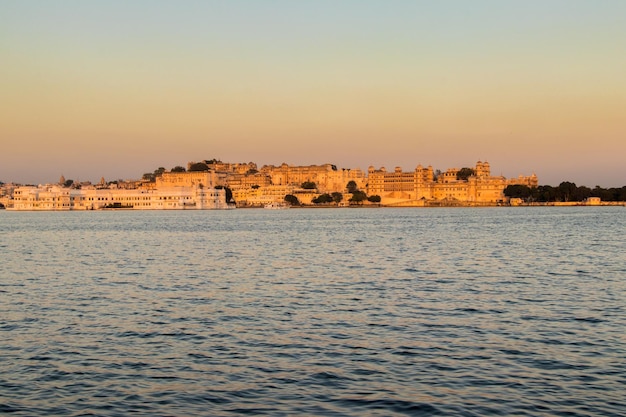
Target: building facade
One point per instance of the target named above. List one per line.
(327, 177)
(252, 187)
(182, 191)
(421, 185)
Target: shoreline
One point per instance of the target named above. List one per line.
(364, 206)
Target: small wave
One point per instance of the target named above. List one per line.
(8, 408)
(553, 364)
(326, 379)
(395, 406)
(589, 319)
(130, 333)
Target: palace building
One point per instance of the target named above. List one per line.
(173, 191)
(326, 177)
(422, 186)
(251, 187)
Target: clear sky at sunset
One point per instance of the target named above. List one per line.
(119, 88)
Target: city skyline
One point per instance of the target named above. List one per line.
(109, 89)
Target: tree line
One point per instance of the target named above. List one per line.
(565, 191)
(358, 196)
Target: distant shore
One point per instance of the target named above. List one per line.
(460, 205)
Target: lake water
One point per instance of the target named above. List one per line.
(344, 312)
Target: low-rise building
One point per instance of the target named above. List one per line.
(593, 201)
(183, 191)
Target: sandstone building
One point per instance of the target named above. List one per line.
(422, 187)
(413, 188)
(256, 187)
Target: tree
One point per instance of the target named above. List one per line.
(517, 191)
(178, 168)
(358, 197)
(566, 190)
(374, 199)
(337, 197)
(68, 183)
(292, 199)
(322, 199)
(351, 186)
(148, 176)
(465, 173)
(611, 194)
(198, 167)
(545, 193)
(308, 185)
(159, 171)
(582, 193)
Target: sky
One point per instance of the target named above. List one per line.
(115, 89)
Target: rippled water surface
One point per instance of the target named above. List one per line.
(344, 312)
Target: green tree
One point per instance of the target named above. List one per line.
(598, 192)
(198, 167)
(178, 168)
(582, 193)
(464, 174)
(358, 197)
(308, 185)
(322, 199)
(517, 191)
(566, 191)
(351, 186)
(337, 197)
(545, 193)
(292, 199)
(606, 194)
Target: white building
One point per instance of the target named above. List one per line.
(54, 197)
